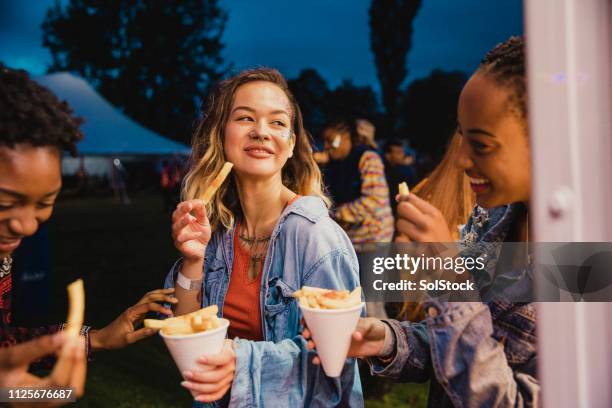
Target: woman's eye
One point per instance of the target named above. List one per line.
(480, 148)
(279, 123)
(6, 206)
(44, 205)
(245, 119)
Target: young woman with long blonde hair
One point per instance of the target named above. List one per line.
(264, 234)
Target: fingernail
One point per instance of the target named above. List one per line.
(187, 373)
(174, 300)
(185, 384)
(203, 360)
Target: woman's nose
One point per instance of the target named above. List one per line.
(24, 224)
(464, 160)
(259, 132)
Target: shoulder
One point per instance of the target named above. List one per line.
(306, 224)
(370, 158)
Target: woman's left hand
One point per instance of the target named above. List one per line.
(211, 385)
(419, 221)
(121, 332)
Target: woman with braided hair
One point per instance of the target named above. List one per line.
(475, 354)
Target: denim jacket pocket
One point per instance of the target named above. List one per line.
(278, 308)
(516, 330)
(213, 281)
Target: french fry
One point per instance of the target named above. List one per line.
(319, 298)
(216, 183)
(403, 189)
(76, 308)
(194, 322)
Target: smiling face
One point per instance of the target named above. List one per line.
(258, 137)
(495, 153)
(30, 180)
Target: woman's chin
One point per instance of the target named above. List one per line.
(261, 171)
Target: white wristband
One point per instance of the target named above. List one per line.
(188, 284)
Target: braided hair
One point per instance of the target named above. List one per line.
(506, 65)
(31, 114)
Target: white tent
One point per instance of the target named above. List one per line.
(108, 132)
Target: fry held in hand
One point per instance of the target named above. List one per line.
(404, 191)
(319, 298)
(191, 323)
(216, 183)
(76, 308)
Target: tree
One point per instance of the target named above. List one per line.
(155, 60)
(348, 100)
(390, 40)
(311, 91)
(319, 104)
(428, 111)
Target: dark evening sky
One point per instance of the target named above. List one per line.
(331, 36)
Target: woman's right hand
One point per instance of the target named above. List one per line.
(191, 229)
(367, 341)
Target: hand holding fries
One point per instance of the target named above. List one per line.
(318, 298)
(191, 323)
(419, 221)
(191, 229)
(366, 341)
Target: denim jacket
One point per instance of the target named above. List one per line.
(306, 248)
(474, 354)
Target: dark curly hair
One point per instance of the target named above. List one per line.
(31, 114)
(344, 124)
(506, 64)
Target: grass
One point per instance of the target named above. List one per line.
(122, 252)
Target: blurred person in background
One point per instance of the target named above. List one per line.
(367, 133)
(355, 178)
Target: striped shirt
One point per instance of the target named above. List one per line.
(368, 219)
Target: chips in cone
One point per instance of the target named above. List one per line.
(319, 298)
(194, 322)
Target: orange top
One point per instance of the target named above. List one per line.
(241, 305)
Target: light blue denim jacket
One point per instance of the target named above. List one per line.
(307, 248)
(474, 354)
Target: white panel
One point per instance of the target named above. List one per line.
(570, 90)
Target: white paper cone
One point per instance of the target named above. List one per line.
(186, 349)
(331, 331)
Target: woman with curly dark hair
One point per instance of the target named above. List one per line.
(35, 129)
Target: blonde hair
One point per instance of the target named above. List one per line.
(300, 174)
(448, 189)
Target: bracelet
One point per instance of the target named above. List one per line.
(188, 284)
